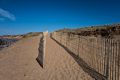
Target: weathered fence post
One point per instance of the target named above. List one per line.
(118, 64)
(41, 49)
(107, 60)
(78, 44)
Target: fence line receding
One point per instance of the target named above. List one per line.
(100, 54)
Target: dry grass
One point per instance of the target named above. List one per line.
(31, 34)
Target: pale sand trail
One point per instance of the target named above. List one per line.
(18, 62)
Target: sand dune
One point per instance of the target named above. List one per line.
(18, 62)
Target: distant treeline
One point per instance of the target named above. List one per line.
(104, 31)
(4, 42)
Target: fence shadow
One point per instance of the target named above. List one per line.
(93, 73)
(41, 52)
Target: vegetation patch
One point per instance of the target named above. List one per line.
(31, 34)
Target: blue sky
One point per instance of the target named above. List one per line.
(22, 16)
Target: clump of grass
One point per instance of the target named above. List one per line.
(2, 42)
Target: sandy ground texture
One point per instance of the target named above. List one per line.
(18, 62)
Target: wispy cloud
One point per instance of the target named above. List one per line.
(7, 14)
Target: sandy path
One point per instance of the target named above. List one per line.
(18, 62)
(59, 65)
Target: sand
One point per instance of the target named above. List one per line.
(18, 62)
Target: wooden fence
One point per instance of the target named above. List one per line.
(100, 54)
